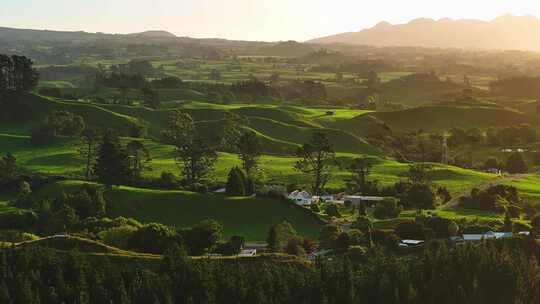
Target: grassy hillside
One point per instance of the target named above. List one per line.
(249, 217)
(445, 117)
(62, 158)
(281, 129)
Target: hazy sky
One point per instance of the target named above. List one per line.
(244, 19)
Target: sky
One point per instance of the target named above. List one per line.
(265, 20)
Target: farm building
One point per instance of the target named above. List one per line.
(356, 200)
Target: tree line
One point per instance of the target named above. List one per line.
(489, 272)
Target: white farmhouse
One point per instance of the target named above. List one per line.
(302, 198)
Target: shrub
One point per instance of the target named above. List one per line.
(168, 180)
(118, 236)
(387, 208)
(152, 238)
(420, 196)
(516, 163)
(410, 230)
(332, 210)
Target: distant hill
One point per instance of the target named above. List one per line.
(155, 34)
(287, 49)
(505, 32)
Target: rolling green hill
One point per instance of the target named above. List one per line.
(446, 117)
(249, 217)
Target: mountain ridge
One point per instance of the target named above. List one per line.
(506, 32)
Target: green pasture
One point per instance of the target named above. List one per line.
(249, 217)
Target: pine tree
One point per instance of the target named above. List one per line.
(272, 241)
(112, 166)
(4, 292)
(236, 183)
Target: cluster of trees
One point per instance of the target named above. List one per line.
(517, 87)
(238, 183)
(490, 272)
(284, 238)
(507, 136)
(498, 198)
(17, 74)
(309, 91)
(58, 123)
(8, 168)
(195, 154)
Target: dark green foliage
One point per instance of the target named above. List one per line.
(491, 163)
(152, 238)
(317, 156)
(249, 150)
(496, 198)
(89, 143)
(488, 272)
(17, 74)
(279, 235)
(236, 183)
(516, 163)
(332, 210)
(410, 230)
(328, 236)
(387, 208)
(112, 166)
(360, 169)
(203, 237)
(420, 196)
(8, 168)
(232, 247)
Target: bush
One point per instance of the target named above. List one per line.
(315, 208)
(236, 182)
(516, 163)
(168, 180)
(410, 230)
(152, 238)
(118, 236)
(332, 210)
(420, 196)
(387, 208)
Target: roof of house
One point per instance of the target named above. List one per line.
(300, 194)
(365, 198)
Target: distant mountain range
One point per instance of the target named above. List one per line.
(507, 32)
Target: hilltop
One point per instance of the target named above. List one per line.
(505, 32)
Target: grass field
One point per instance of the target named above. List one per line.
(249, 217)
(62, 158)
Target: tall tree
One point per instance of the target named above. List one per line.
(89, 143)
(317, 156)
(180, 128)
(194, 156)
(112, 166)
(360, 169)
(236, 183)
(249, 150)
(138, 155)
(196, 159)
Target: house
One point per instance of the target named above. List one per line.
(356, 200)
(476, 237)
(302, 198)
(248, 253)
